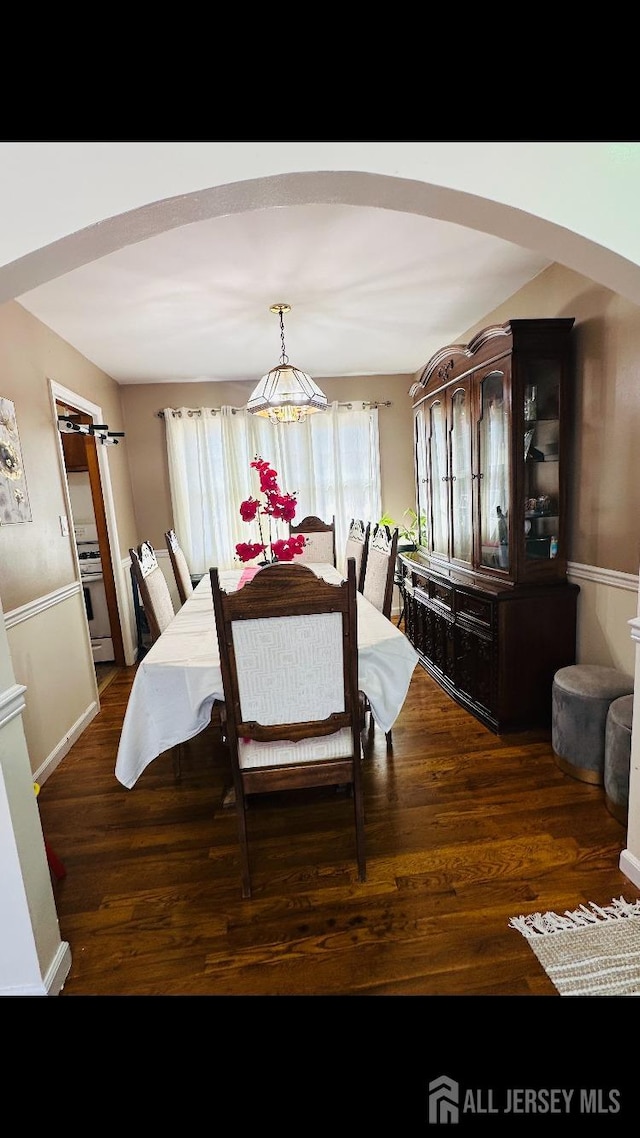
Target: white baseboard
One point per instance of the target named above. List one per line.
(66, 743)
(53, 981)
(630, 866)
(58, 970)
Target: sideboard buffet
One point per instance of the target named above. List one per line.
(487, 602)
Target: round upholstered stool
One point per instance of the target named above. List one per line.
(580, 699)
(617, 757)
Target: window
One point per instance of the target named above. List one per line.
(331, 461)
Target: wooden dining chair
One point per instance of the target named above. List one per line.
(159, 611)
(377, 588)
(289, 661)
(357, 546)
(157, 605)
(321, 540)
(153, 589)
(179, 565)
(380, 568)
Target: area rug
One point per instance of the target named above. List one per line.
(591, 951)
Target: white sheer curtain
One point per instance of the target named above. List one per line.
(331, 461)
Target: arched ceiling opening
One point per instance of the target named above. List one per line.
(363, 258)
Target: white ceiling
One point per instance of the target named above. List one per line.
(372, 292)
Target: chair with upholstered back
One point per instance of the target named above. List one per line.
(153, 588)
(159, 611)
(380, 568)
(289, 661)
(357, 546)
(321, 540)
(378, 585)
(179, 566)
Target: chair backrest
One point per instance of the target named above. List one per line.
(179, 566)
(289, 659)
(153, 588)
(380, 568)
(321, 540)
(357, 546)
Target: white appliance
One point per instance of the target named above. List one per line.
(95, 598)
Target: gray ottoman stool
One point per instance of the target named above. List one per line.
(617, 757)
(580, 699)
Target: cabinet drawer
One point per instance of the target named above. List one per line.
(475, 607)
(442, 593)
(420, 589)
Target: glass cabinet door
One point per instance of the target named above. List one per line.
(460, 456)
(421, 477)
(493, 472)
(438, 479)
(541, 458)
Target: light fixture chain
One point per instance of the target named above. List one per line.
(284, 359)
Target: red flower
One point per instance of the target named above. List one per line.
(247, 550)
(277, 505)
(249, 509)
(286, 549)
(281, 506)
(268, 476)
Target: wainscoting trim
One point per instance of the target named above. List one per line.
(40, 604)
(609, 577)
(11, 703)
(635, 629)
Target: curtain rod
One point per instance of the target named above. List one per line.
(216, 410)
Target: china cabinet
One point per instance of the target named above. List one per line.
(487, 601)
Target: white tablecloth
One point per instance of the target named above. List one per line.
(179, 678)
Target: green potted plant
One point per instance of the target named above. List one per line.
(408, 526)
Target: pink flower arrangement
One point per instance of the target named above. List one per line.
(277, 505)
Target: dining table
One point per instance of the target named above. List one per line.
(178, 680)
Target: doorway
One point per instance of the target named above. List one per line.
(91, 532)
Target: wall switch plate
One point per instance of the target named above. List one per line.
(64, 525)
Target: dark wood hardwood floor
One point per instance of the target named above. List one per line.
(464, 830)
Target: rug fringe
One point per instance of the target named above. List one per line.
(543, 924)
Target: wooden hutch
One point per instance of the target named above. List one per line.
(487, 601)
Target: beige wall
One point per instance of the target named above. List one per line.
(41, 598)
(148, 453)
(57, 698)
(34, 556)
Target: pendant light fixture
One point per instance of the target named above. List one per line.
(286, 394)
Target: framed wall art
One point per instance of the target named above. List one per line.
(14, 499)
